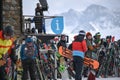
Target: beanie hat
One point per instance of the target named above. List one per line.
(8, 30)
(88, 34)
(82, 32)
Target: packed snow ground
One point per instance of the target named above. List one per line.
(96, 79)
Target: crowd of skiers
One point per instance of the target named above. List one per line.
(105, 50)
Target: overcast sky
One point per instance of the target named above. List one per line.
(59, 6)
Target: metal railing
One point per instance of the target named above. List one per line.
(28, 20)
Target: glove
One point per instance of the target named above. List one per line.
(91, 48)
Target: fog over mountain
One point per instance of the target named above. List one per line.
(93, 18)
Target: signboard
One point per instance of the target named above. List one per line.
(57, 25)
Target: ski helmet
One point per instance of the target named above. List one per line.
(82, 32)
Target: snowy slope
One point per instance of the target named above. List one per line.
(106, 79)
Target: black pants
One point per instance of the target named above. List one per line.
(38, 25)
(29, 65)
(78, 65)
(2, 73)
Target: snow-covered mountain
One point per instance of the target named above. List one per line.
(93, 18)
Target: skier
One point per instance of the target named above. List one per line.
(61, 60)
(90, 45)
(78, 48)
(62, 41)
(90, 54)
(28, 54)
(6, 49)
(97, 39)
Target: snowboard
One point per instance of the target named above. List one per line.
(65, 52)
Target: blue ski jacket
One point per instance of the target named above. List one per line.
(22, 51)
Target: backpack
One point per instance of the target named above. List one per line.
(29, 50)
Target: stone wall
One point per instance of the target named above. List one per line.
(12, 14)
